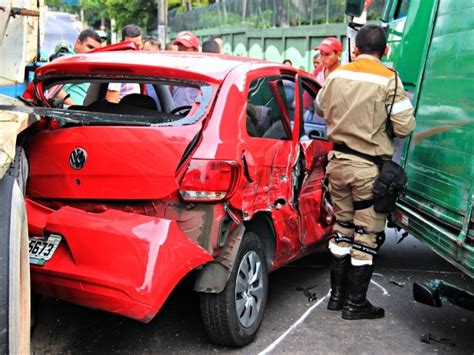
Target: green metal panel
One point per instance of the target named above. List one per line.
(407, 38)
(444, 64)
(272, 49)
(440, 161)
(239, 40)
(255, 48)
(296, 49)
(446, 7)
(276, 44)
(432, 48)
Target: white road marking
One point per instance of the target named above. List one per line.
(292, 327)
(272, 346)
(385, 293)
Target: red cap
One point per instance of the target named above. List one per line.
(187, 39)
(330, 44)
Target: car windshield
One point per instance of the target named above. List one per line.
(144, 101)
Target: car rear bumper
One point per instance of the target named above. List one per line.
(115, 261)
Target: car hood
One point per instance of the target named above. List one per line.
(107, 162)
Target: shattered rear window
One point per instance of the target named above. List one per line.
(106, 101)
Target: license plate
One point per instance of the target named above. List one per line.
(42, 250)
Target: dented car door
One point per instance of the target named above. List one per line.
(270, 157)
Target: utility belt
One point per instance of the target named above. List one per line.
(389, 185)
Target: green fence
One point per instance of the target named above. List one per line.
(276, 44)
(264, 14)
(269, 29)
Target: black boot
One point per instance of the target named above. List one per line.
(356, 304)
(339, 267)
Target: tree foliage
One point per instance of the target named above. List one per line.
(139, 12)
(53, 3)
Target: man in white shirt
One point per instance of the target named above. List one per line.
(116, 91)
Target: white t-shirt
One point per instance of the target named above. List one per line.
(320, 78)
(125, 88)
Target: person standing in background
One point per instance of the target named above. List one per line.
(151, 43)
(184, 95)
(211, 46)
(187, 42)
(170, 47)
(75, 93)
(116, 91)
(134, 34)
(316, 59)
(103, 37)
(220, 42)
(331, 50)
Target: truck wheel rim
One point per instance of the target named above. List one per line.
(249, 289)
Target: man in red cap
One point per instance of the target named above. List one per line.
(185, 96)
(187, 42)
(330, 49)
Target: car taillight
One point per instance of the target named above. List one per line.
(208, 180)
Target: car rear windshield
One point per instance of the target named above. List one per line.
(147, 102)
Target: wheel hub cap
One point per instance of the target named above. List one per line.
(249, 289)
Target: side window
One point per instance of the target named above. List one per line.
(151, 91)
(402, 9)
(314, 125)
(266, 107)
(289, 95)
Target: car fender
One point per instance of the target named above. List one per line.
(213, 276)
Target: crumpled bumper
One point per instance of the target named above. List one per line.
(115, 261)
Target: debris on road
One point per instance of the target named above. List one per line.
(396, 283)
(311, 295)
(428, 338)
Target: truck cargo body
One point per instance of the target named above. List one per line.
(431, 47)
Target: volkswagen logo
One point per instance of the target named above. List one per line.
(77, 158)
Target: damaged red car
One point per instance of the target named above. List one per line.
(204, 164)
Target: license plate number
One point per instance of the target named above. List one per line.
(42, 250)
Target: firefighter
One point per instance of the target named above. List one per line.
(357, 101)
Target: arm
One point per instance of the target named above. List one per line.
(402, 120)
(112, 96)
(113, 93)
(63, 95)
(317, 104)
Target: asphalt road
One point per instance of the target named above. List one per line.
(292, 324)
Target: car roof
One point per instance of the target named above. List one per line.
(201, 65)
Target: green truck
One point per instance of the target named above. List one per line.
(432, 48)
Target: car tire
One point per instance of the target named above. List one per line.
(233, 317)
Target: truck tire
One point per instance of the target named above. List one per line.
(14, 263)
(233, 317)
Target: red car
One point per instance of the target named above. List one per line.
(204, 164)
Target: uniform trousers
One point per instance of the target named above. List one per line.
(352, 180)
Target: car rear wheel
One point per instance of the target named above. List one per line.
(233, 317)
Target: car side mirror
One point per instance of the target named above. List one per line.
(354, 8)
